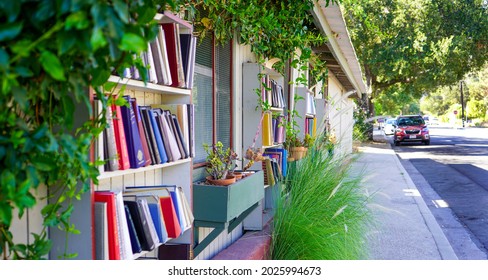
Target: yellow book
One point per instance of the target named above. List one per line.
(314, 129)
(267, 129)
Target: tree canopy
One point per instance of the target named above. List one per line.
(410, 47)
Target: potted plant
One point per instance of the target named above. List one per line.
(219, 162)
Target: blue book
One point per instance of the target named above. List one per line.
(284, 156)
(133, 138)
(156, 215)
(178, 209)
(158, 136)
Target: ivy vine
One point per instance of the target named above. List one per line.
(51, 52)
(273, 30)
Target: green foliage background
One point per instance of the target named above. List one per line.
(51, 53)
(410, 47)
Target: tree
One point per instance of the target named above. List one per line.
(410, 47)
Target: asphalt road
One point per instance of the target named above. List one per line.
(452, 175)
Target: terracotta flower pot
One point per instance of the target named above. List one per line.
(238, 175)
(298, 152)
(222, 182)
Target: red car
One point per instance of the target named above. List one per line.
(411, 128)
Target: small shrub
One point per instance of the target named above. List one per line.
(323, 214)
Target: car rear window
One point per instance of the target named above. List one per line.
(411, 121)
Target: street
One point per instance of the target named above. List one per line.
(452, 177)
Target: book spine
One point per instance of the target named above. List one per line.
(142, 132)
(121, 142)
(113, 234)
(149, 136)
(111, 143)
(158, 136)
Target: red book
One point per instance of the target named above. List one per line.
(142, 133)
(113, 234)
(170, 218)
(121, 142)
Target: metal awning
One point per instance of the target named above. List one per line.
(338, 52)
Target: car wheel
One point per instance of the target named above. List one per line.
(427, 142)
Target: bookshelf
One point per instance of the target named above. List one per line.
(307, 113)
(159, 99)
(257, 127)
(252, 117)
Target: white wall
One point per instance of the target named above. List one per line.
(340, 113)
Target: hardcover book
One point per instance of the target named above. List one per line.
(134, 239)
(142, 132)
(121, 142)
(131, 129)
(141, 224)
(113, 234)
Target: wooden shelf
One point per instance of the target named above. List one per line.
(111, 174)
(276, 109)
(149, 87)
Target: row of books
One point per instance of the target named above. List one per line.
(170, 58)
(140, 219)
(274, 165)
(272, 93)
(311, 126)
(138, 136)
(273, 129)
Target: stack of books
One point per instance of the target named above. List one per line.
(140, 219)
(139, 136)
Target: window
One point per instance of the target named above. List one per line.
(212, 96)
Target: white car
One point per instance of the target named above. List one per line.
(389, 126)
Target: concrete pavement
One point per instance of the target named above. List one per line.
(403, 226)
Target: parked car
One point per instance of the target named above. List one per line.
(389, 127)
(411, 128)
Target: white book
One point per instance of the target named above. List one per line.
(181, 72)
(153, 78)
(173, 144)
(99, 143)
(186, 207)
(110, 142)
(124, 236)
(191, 68)
(164, 56)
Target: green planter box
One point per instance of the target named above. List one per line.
(224, 203)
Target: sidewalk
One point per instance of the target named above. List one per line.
(404, 228)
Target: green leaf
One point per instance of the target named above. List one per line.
(52, 65)
(9, 31)
(5, 213)
(23, 71)
(99, 76)
(20, 96)
(145, 14)
(97, 39)
(77, 20)
(133, 42)
(44, 163)
(122, 9)
(3, 59)
(11, 9)
(66, 41)
(69, 109)
(21, 47)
